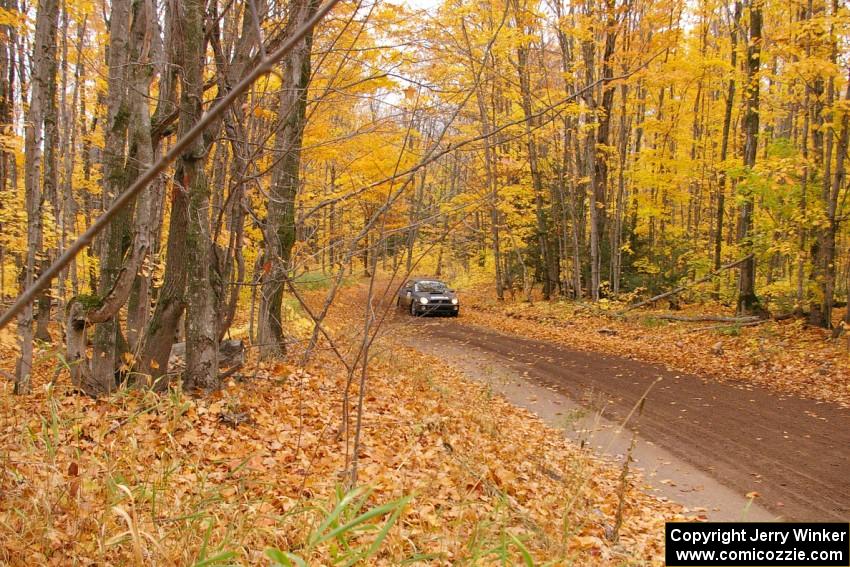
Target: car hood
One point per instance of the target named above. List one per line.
(446, 295)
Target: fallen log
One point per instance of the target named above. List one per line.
(708, 318)
(724, 326)
(682, 288)
(231, 354)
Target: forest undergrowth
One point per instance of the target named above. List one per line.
(449, 474)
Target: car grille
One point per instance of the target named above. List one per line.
(440, 302)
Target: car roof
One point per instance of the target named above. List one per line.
(417, 280)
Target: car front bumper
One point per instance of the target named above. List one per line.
(437, 309)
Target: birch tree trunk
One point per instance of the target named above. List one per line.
(50, 171)
(44, 59)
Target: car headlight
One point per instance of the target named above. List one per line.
(454, 301)
(423, 300)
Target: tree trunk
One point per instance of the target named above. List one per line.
(279, 233)
(617, 228)
(489, 172)
(804, 183)
(230, 264)
(8, 168)
(548, 261)
(603, 133)
(104, 359)
(69, 214)
(573, 207)
(44, 60)
(724, 147)
(748, 302)
(201, 322)
(413, 214)
(50, 176)
(568, 175)
(826, 248)
(163, 327)
(597, 139)
(128, 99)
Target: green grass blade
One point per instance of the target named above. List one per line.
(376, 512)
(284, 558)
(318, 536)
(216, 559)
(523, 551)
(400, 505)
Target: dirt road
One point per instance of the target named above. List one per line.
(794, 453)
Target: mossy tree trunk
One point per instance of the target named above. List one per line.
(201, 319)
(279, 233)
(127, 151)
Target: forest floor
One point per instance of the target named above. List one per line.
(144, 478)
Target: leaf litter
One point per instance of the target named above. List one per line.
(146, 478)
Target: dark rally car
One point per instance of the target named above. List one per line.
(424, 296)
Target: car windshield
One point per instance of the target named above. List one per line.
(431, 287)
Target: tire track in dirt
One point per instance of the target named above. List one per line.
(795, 453)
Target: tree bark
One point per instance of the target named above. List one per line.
(548, 261)
(162, 327)
(230, 263)
(50, 174)
(724, 145)
(130, 117)
(44, 59)
(748, 302)
(104, 359)
(832, 186)
(490, 179)
(603, 133)
(201, 320)
(568, 175)
(279, 233)
(806, 14)
(8, 167)
(824, 259)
